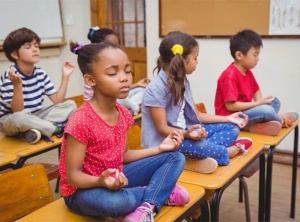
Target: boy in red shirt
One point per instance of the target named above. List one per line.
(237, 89)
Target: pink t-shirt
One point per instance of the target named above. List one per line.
(105, 143)
(234, 86)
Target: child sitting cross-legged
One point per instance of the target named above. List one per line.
(99, 176)
(238, 90)
(23, 88)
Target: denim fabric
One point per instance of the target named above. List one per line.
(150, 180)
(220, 136)
(263, 113)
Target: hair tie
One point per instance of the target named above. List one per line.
(177, 49)
(93, 29)
(77, 48)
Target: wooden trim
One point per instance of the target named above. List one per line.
(98, 13)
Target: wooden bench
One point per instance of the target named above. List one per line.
(6, 160)
(215, 182)
(30, 199)
(14, 146)
(23, 151)
(23, 191)
(272, 142)
(247, 172)
(57, 210)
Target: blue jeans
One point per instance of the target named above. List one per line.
(150, 180)
(220, 136)
(263, 113)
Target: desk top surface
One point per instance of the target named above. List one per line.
(7, 158)
(21, 148)
(222, 174)
(270, 140)
(57, 210)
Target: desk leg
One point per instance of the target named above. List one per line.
(269, 183)
(261, 198)
(294, 174)
(204, 210)
(215, 204)
(21, 161)
(8, 166)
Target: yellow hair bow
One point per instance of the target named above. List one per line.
(177, 49)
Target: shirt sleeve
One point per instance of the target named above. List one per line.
(78, 127)
(6, 88)
(229, 89)
(155, 96)
(128, 119)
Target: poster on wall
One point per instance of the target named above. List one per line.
(284, 17)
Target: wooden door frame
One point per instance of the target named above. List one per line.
(137, 56)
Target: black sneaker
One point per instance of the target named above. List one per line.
(31, 136)
(61, 127)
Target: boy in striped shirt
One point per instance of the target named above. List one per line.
(23, 88)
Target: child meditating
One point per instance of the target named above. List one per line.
(134, 99)
(168, 105)
(23, 88)
(238, 90)
(99, 176)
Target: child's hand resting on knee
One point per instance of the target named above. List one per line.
(196, 132)
(238, 118)
(171, 142)
(112, 179)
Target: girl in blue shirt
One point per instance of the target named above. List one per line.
(168, 104)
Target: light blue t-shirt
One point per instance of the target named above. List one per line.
(158, 94)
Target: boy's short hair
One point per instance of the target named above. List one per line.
(16, 39)
(243, 41)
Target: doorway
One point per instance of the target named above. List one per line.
(127, 19)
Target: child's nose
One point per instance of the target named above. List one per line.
(124, 77)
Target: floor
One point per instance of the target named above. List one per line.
(230, 209)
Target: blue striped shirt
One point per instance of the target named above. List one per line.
(35, 87)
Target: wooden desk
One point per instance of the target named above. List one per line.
(57, 210)
(6, 160)
(137, 117)
(223, 176)
(171, 213)
(23, 150)
(273, 141)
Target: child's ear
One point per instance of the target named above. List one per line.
(238, 55)
(89, 80)
(14, 54)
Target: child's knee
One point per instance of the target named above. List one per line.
(71, 104)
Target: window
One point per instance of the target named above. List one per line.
(127, 19)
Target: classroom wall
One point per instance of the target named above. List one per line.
(278, 71)
(75, 28)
